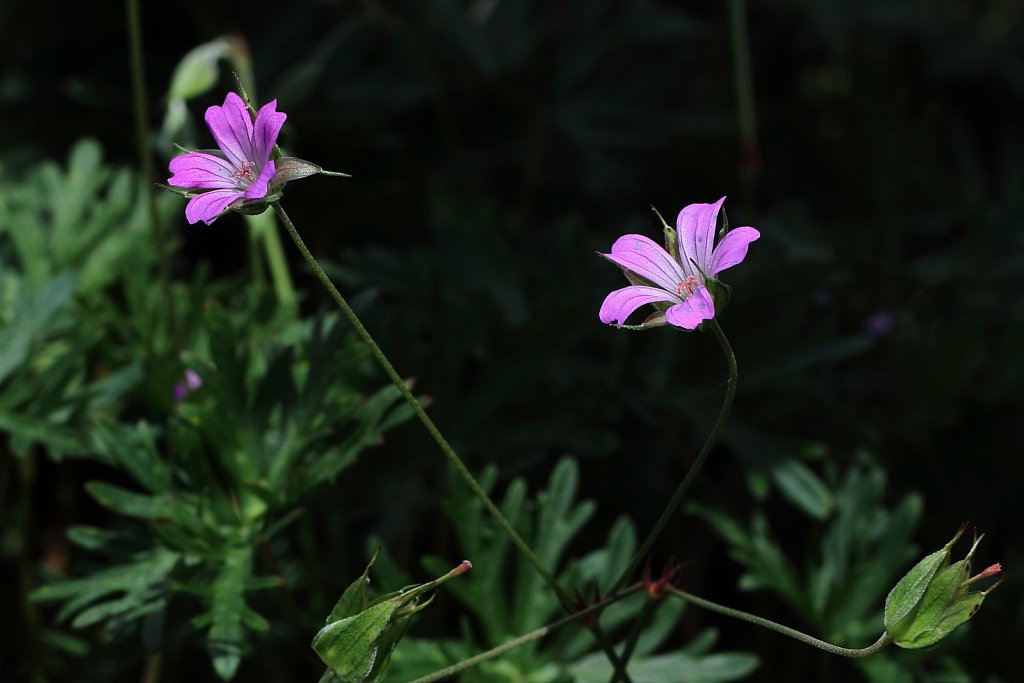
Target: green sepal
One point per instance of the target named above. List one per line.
(721, 294)
(349, 647)
(906, 594)
(357, 646)
(354, 599)
(671, 236)
(954, 616)
(932, 600)
(255, 207)
(287, 169)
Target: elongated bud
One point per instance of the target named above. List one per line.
(671, 236)
(360, 635)
(932, 599)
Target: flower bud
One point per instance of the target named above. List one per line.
(933, 598)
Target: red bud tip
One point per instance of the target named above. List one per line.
(462, 568)
(656, 588)
(991, 571)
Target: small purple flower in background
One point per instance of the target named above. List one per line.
(182, 389)
(880, 323)
(242, 169)
(677, 281)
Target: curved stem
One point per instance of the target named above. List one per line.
(779, 628)
(449, 452)
(523, 639)
(684, 485)
(431, 428)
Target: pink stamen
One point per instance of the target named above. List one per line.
(245, 171)
(689, 286)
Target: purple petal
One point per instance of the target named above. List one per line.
(268, 125)
(647, 259)
(231, 127)
(198, 170)
(192, 379)
(732, 249)
(697, 308)
(696, 227)
(621, 303)
(259, 186)
(207, 206)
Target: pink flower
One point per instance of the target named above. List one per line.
(240, 170)
(182, 389)
(677, 281)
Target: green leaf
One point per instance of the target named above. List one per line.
(134, 450)
(197, 71)
(140, 583)
(129, 503)
(802, 487)
(30, 320)
(229, 614)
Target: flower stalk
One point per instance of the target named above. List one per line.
(691, 474)
(526, 638)
(435, 433)
(417, 407)
(874, 648)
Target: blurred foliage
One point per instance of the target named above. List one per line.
(506, 598)
(495, 146)
(65, 237)
(862, 550)
(261, 431)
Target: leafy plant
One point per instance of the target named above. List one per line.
(66, 237)
(505, 597)
(225, 475)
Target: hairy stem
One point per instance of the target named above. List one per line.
(684, 485)
(779, 628)
(523, 639)
(407, 394)
(435, 433)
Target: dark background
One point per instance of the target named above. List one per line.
(496, 146)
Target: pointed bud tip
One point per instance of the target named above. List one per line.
(991, 570)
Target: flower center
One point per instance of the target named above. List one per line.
(687, 286)
(245, 171)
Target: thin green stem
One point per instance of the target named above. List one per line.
(883, 641)
(146, 164)
(684, 485)
(523, 639)
(435, 433)
(634, 636)
(407, 394)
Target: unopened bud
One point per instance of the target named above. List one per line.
(932, 599)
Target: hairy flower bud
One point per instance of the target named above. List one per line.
(933, 598)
